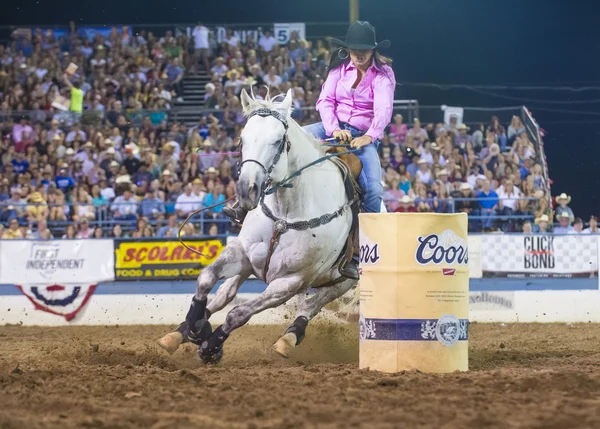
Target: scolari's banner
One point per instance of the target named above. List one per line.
(163, 260)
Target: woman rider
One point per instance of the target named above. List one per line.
(355, 105)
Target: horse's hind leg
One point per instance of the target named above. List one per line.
(232, 262)
(278, 292)
(309, 307)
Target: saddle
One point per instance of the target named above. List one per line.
(350, 167)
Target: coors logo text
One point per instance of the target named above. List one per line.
(447, 249)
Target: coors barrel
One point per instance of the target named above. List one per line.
(414, 292)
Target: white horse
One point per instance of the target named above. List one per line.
(291, 238)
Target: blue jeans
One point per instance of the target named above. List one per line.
(488, 218)
(370, 176)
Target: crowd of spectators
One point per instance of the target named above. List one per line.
(88, 148)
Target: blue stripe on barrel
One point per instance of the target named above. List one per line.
(447, 329)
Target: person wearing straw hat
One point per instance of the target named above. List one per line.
(564, 226)
(542, 224)
(562, 200)
(38, 209)
(462, 136)
(406, 205)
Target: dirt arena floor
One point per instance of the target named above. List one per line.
(522, 376)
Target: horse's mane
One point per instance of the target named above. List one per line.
(271, 104)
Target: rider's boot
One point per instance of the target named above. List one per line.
(350, 269)
(235, 213)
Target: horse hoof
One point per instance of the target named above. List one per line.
(171, 342)
(285, 345)
(212, 358)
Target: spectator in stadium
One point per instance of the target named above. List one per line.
(488, 204)
(84, 230)
(406, 205)
(593, 226)
(498, 131)
(13, 231)
(77, 95)
(187, 202)
(174, 78)
(515, 128)
(508, 195)
(577, 226)
(398, 129)
(124, 207)
(417, 134)
(151, 206)
(170, 229)
(201, 47)
(462, 136)
(562, 201)
(423, 174)
(466, 203)
(526, 227)
(542, 224)
(564, 226)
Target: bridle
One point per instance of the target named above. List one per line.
(282, 144)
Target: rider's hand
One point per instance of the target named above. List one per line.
(361, 141)
(342, 135)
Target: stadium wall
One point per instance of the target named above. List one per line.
(514, 278)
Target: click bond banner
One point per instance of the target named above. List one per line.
(58, 276)
(549, 256)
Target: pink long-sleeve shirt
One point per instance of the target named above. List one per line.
(367, 108)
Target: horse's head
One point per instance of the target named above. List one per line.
(264, 147)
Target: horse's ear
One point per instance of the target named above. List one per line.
(286, 104)
(245, 99)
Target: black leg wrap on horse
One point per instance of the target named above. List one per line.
(298, 328)
(196, 320)
(214, 343)
(196, 312)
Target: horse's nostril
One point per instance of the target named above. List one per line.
(252, 191)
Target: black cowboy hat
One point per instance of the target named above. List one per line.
(361, 36)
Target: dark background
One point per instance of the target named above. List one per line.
(484, 42)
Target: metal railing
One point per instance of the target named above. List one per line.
(126, 214)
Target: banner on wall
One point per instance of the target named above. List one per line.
(163, 260)
(283, 32)
(549, 256)
(58, 277)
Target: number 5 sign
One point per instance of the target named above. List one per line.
(283, 32)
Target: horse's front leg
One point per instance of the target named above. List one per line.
(309, 307)
(225, 294)
(233, 265)
(277, 293)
